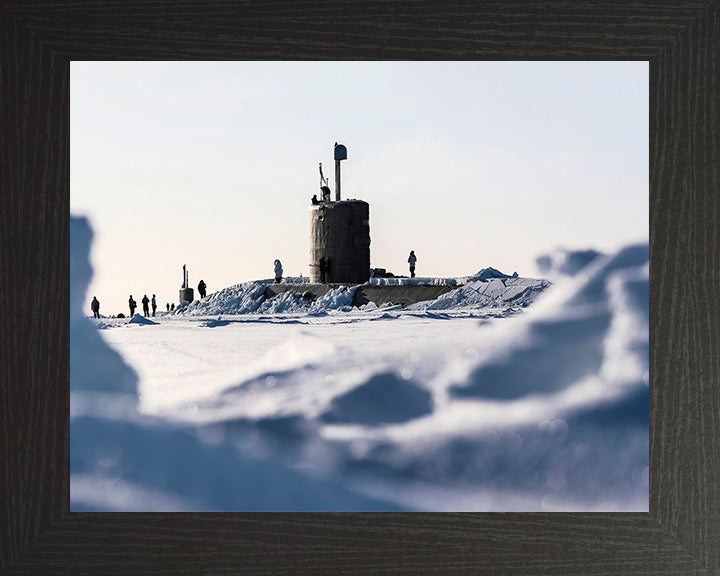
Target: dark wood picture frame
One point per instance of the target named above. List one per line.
(680, 534)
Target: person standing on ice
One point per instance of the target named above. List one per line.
(278, 271)
(95, 305)
(154, 304)
(145, 302)
(201, 288)
(411, 260)
(132, 305)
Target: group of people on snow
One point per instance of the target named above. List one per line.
(146, 302)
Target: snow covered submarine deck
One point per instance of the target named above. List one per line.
(403, 295)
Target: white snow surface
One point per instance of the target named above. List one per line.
(505, 394)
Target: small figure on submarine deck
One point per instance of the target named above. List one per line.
(314, 200)
(411, 260)
(323, 270)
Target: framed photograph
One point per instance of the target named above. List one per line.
(481, 369)
(551, 514)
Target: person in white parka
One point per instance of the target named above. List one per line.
(278, 271)
(411, 260)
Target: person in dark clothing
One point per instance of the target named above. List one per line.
(323, 270)
(154, 304)
(172, 307)
(314, 199)
(167, 306)
(145, 302)
(95, 305)
(411, 260)
(278, 271)
(133, 305)
(201, 288)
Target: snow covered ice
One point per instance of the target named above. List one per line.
(504, 394)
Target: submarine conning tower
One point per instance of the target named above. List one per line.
(339, 234)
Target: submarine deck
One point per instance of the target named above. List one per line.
(403, 295)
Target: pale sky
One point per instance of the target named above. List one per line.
(470, 164)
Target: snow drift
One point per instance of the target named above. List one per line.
(468, 402)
